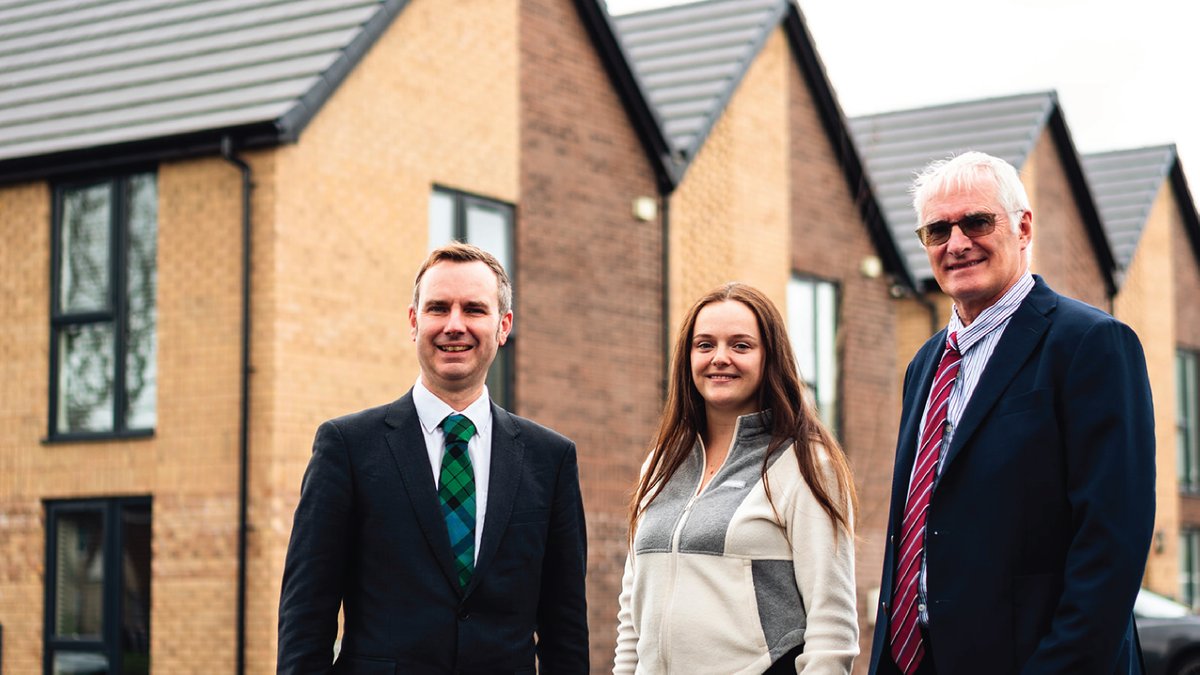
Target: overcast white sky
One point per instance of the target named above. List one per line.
(1127, 73)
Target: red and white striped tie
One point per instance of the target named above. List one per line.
(907, 646)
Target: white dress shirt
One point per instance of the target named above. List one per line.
(431, 410)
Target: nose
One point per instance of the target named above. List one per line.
(958, 241)
(720, 356)
(454, 322)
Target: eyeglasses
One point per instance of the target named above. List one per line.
(972, 225)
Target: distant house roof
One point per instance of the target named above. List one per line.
(82, 80)
(898, 144)
(1126, 182)
(688, 60)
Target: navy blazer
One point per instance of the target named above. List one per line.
(1041, 519)
(369, 535)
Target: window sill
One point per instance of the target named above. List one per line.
(93, 436)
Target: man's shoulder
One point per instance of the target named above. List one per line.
(369, 417)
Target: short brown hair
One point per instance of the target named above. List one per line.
(460, 252)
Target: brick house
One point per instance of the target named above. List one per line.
(770, 190)
(145, 151)
(1152, 223)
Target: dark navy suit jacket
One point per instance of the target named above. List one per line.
(1041, 519)
(369, 535)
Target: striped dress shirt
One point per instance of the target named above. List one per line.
(976, 343)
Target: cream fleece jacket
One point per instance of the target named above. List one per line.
(715, 584)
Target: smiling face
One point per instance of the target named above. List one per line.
(457, 326)
(727, 358)
(977, 272)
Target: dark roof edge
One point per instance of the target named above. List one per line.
(645, 121)
(1187, 205)
(735, 83)
(834, 122)
(1069, 157)
(292, 123)
(110, 158)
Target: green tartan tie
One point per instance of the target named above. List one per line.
(456, 491)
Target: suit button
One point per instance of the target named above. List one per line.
(464, 615)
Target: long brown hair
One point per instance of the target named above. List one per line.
(780, 391)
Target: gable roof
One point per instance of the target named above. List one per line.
(687, 62)
(896, 145)
(89, 82)
(690, 58)
(1126, 183)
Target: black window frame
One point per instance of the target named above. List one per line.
(113, 537)
(117, 313)
(1187, 419)
(506, 358)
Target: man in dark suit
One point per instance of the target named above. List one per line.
(1023, 494)
(449, 531)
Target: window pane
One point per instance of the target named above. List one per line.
(800, 312)
(85, 378)
(79, 576)
(84, 276)
(135, 581)
(487, 228)
(141, 369)
(441, 219)
(826, 319)
(80, 663)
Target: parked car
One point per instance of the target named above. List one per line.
(1169, 633)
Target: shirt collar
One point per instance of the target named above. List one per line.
(431, 410)
(991, 318)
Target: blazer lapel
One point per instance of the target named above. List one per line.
(407, 445)
(508, 464)
(910, 426)
(1022, 335)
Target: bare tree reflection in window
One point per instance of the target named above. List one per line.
(141, 370)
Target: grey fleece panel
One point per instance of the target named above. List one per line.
(780, 608)
(662, 516)
(708, 525)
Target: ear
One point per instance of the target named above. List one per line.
(1025, 229)
(505, 328)
(412, 320)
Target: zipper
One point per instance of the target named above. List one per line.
(675, 536)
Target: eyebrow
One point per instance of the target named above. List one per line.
(973, 214)
(743, 336)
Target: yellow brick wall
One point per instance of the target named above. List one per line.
(434, 102)
(1146, 302)
(24, 392)
(730, 216)
(189, 466)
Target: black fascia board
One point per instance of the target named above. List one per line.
(1187, 206)
(110, 158)
(293, 122)
(1073, 167)
(834, 122)
(645, 121)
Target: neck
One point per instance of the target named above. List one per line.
(720, 423)
(459, 400)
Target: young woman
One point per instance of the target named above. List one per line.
(742, 545)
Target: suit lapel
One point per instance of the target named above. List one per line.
(407, 445)
(911, 424)
(1022, 335)
(508, 464)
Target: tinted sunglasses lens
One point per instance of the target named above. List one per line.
(935, 233)
(977, 226)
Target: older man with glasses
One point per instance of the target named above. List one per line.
(1023, 492)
